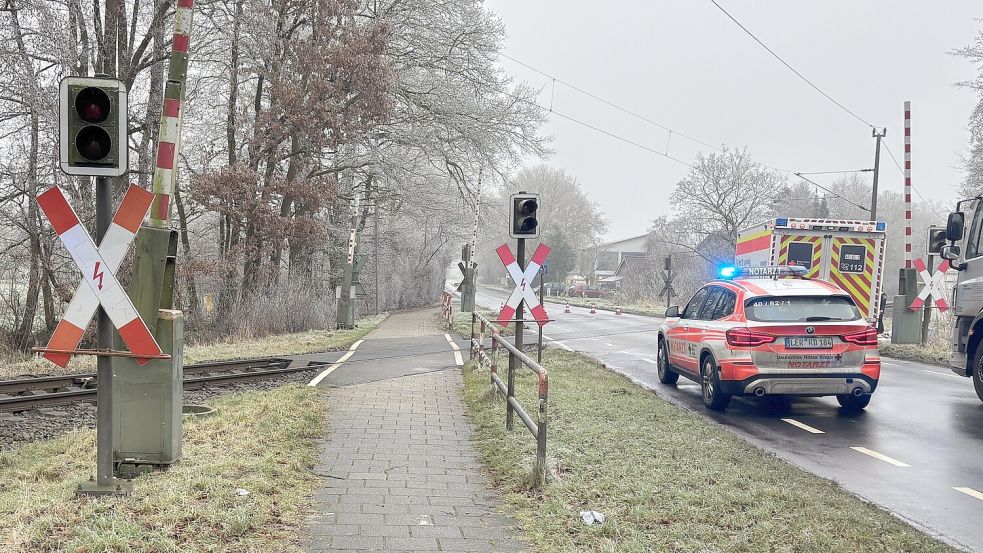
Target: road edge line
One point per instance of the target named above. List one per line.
(804, 426)
(324, 374)
(457, 350)
(880, 456)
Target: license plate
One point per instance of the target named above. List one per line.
(808, 342)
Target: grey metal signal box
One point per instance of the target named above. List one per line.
(148, 398)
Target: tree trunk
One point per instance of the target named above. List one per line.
(192, 306)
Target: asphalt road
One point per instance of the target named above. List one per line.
(917, 450)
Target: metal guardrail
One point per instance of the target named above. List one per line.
(516, 357)
(447, 308)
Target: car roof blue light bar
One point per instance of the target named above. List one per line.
(768, 271)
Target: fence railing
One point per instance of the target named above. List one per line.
(447, 308)
(479, 327)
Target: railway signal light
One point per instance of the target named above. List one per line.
(524, 221)
(936, 239)
(92, 125)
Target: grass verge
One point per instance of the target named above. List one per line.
(666, 479)
(191, 507)
(297, 343)
(910, 352)
(462, 323)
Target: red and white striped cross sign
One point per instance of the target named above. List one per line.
(523, 284)
(98, 266)
(933, 285)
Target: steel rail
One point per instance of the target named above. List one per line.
(57, 390)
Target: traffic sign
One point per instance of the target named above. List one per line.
(98, 266)
(523, 284)
(933, 286)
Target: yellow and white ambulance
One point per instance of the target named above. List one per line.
(850, 254)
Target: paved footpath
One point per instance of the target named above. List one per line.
(400, 473)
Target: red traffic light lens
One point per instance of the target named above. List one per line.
(527, 207)
(92, 105)
(93, 143)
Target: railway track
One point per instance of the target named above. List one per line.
(50, 391)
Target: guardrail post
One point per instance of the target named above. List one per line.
(540, 474)
(510, 392)
(481, 341)
(494, 363)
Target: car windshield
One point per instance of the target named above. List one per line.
(801, 309)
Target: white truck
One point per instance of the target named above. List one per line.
(849, 254)
(965, 253)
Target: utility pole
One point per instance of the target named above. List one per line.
(877, 170)
(376, 247)
(346, 313)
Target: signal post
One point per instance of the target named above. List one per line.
(139, 390)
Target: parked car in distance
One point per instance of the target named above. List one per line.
(554, 288)
(586, 291)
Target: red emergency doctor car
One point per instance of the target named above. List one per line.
(761, 331)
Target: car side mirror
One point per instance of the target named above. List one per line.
(950, 252)
(954, 226)
(672, 312)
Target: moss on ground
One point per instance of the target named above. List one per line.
(262, 442)
(666, 479)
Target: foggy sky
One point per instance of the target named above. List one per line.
(682, 63)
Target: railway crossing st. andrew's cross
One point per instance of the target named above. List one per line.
(523, 284)
(98, 266)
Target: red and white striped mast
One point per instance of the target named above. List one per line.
(907, 185)
(169, 137)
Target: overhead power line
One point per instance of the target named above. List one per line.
(672, 132)
(913, 189)
(835, 172)
(789, 66)
(665, 154)
(847, 200)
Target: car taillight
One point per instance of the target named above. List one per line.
(746, 338)
(866, 337)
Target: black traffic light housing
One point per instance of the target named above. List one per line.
(92, 125)
(936, 239)
(525, 223)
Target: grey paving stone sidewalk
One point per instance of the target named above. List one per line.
(400, 473)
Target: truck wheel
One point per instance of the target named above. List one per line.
(713, 398)
(978, 371)
(851, 402)
(666, 374)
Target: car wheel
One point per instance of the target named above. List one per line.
(978, 371)
(851, 402)
(666, 374)
(713, 397)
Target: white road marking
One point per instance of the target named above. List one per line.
(608, 344)
(880, 456)
(941, 373)
(545, 337)
(647, 360)
(970, 492)
(457, 350)
(804, 426)
(324, 374)
(563, 346)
